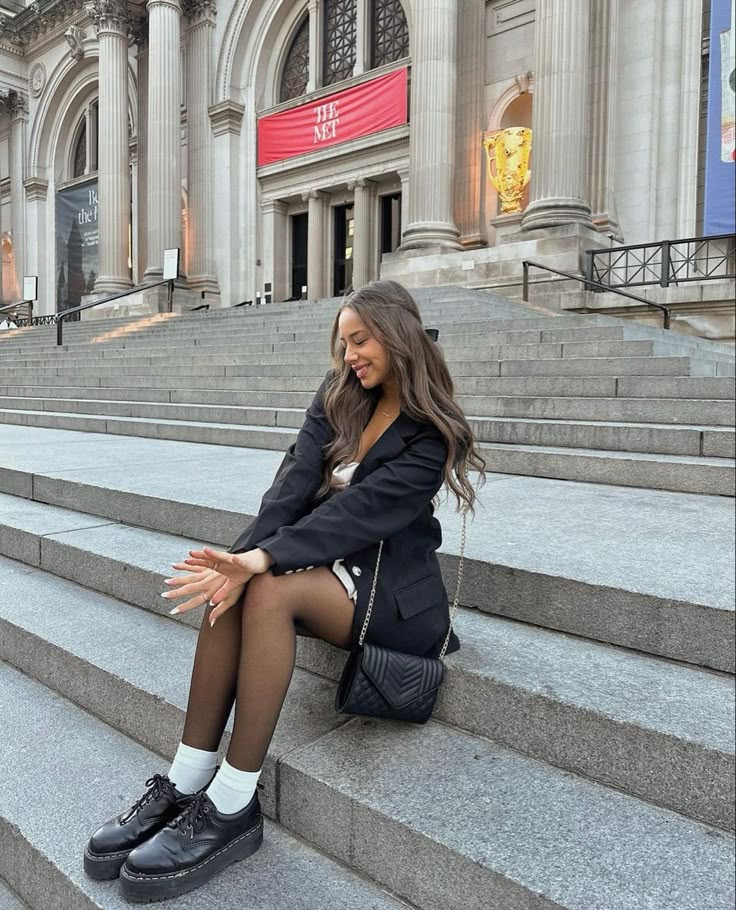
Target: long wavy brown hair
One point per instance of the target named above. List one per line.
(425, 386)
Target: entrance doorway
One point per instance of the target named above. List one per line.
(344, 234)
(390, 223)
(299, 250)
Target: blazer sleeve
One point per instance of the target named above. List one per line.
(297, 480)
(377, 507)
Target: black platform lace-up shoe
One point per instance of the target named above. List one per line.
(110, 845)
(189, 850)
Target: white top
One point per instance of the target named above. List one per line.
(343, 474)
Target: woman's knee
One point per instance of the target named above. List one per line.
(265, 592)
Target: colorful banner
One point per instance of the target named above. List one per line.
(720, 160)
(77, 244)
(360, 111)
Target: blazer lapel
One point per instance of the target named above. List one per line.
(387, 446)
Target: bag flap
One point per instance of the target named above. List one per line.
(401, 678)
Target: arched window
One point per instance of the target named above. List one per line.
(390, 32)
(79, 165)
(339, 40)
(84, 150)
(295, 76)
(387, 34)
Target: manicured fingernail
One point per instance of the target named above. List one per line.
(212, 603)
(175, 610)
(212, 623)
(165, 595)
(168, 581)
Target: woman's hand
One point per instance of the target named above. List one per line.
(221, 577)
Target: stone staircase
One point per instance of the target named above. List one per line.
(589, 398)
(582, 753)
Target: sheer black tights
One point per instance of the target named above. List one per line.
(248, 657)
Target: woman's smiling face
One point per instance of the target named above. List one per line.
(365, 355)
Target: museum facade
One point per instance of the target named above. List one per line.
(303, 148)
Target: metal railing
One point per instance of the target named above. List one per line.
(59, 318)
(664, 263)
(528, 263)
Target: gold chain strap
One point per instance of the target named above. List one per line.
(457, 590)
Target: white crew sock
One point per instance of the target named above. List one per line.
(192, 768)
(232, 790)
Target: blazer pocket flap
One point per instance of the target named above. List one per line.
(401, 678)
(418, 597)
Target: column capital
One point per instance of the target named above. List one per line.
(174, 4)
(274, 207)
(13, 102)
(226, 117)
(109, 16)
(362, 183)
(36, 189)
(314, 194)
(198, 11)
(139, 32)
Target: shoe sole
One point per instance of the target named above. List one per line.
(102, 867)
(148, 888)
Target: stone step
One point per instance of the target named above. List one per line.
(599, 711)
(265, 391)
(114, 402)
(710, 441)
(573, 366)
(453, 336)
(610, 849)
(257, 353)
(667, 611)
(54, 798)
(685, 473)
(9, 900)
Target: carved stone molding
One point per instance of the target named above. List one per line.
(226, 117)
(524, 82)
(36, 20)
(75, 39)
(109, 15)
(37, 79)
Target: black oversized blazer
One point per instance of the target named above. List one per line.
(390, 499)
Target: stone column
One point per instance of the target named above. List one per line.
(559, 119)
(140, 231)
(316, 253)
(227, 119)
(200, 31)
(470, 125)
(404, 175)
(603, 70)
(364, 242)
(37, 258)
(315, 45)
(164, 127)
(17, 106)
(275, 220)
(111, 21)
(432, 151)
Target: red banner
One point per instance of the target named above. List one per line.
(360, 111)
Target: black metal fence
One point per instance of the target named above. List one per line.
(665, 263)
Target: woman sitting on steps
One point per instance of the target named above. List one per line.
(382, 436)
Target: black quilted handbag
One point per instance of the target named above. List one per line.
(381, 682)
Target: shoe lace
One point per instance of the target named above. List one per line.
(157, 785)
(194, 817)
